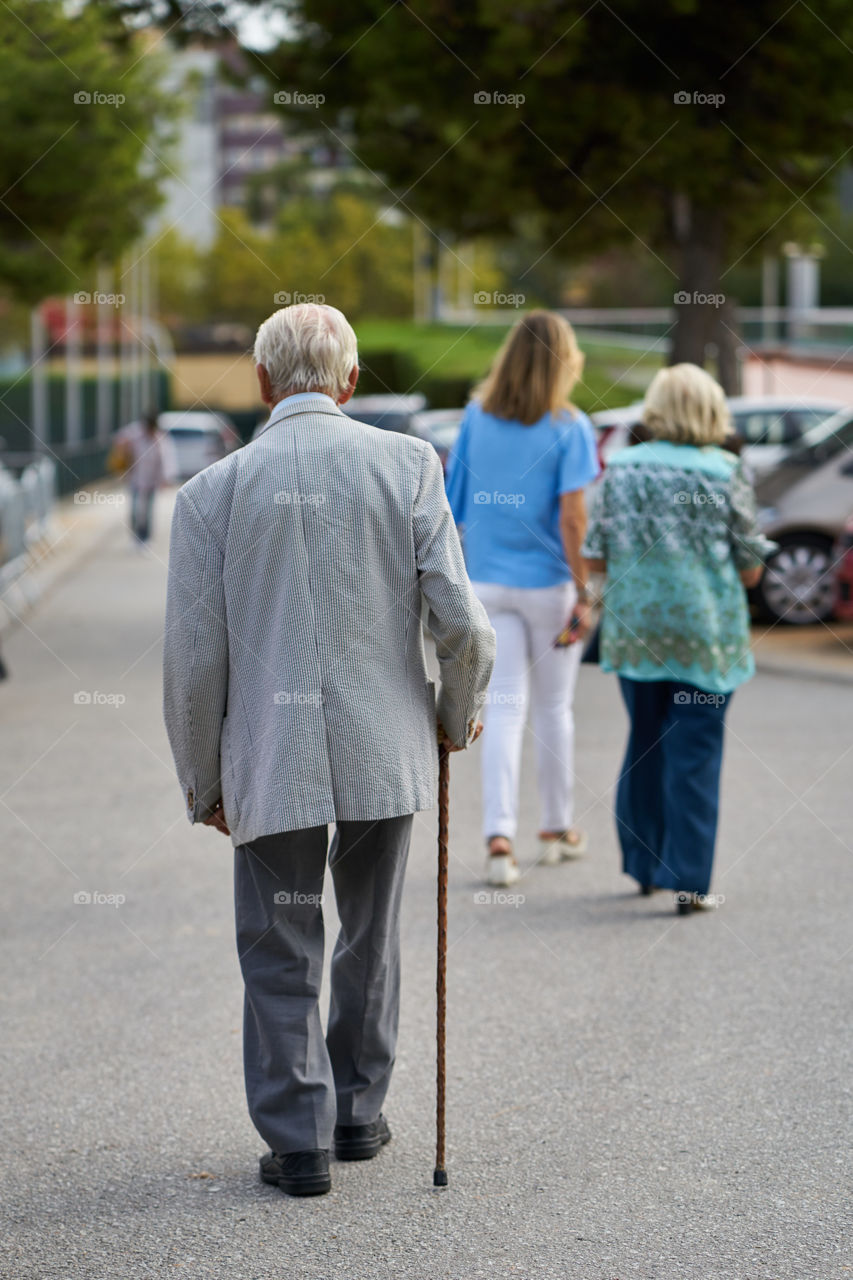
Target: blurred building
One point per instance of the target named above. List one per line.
(229, 133)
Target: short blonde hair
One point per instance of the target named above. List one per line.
(686, 405)
(307, 347)
(534, 371)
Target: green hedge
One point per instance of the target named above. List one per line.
(77, 463)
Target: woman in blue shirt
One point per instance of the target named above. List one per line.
(515, 483)
(674, 529)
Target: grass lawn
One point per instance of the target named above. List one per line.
(613, 375)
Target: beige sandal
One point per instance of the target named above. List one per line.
(556, 849)
(502, 869)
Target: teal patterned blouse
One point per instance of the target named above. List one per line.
(676, 524)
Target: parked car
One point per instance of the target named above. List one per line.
(195, 440)
(440, 427)
(842, 558)
(768, 426)
(804, 503)
(390, 412)
(615, 427)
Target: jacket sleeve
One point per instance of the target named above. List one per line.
(464, 639)
(749, 546)
(195, 658)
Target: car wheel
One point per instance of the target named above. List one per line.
(797, 586)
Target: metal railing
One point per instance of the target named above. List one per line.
(26, 507)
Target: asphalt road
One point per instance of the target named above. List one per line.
(630, 1094)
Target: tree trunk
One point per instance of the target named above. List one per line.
(698, 299)
(728, 344)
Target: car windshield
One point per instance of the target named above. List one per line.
(828, 438)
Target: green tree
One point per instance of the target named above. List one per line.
(79, 140)
(701, 134)
(338, 246)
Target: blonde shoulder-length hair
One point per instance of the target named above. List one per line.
(686, 405)
(534, 371)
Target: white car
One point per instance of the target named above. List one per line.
(195, 440)
(440, 427)
(803, 505)
(767, 425)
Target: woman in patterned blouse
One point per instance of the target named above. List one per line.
(674, 530)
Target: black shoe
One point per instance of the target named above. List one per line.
(361, 1141)
(299, 1173)
(646, 890)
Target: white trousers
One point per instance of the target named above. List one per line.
(527, 620)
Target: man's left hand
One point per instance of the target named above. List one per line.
(450, 745)
(217, 820)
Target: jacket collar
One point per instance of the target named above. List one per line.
(293, 406)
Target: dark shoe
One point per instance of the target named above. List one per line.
(299, 1173)
(646, 890)
(361, 1141)
(687, 903)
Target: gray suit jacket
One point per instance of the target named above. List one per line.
(295, 682)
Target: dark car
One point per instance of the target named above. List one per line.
(390, 412)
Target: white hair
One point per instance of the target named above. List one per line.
(307, 347)
(686, 405)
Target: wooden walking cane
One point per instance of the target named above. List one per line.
(439, 1177)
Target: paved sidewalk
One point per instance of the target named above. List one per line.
(820, 652)
(630, 1094)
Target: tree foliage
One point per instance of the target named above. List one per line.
(698, 133)
(79, 145)
(338, 247)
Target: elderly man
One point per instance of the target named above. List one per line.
(296, 696)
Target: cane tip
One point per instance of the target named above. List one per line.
(439, 1178)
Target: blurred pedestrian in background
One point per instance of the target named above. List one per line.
(139, 453)
(674, 529)
(515, 482)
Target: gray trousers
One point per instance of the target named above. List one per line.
(299, 1084)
